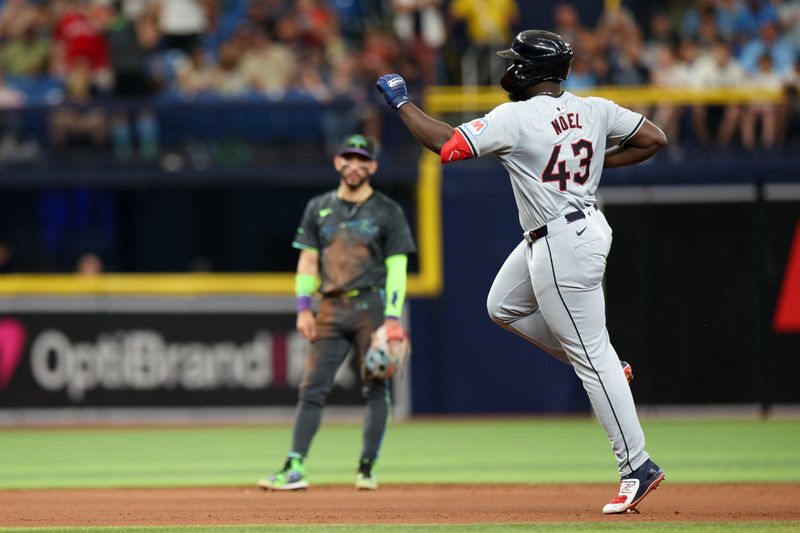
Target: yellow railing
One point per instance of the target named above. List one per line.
(428, 281)
(454, 99)
(188, 284)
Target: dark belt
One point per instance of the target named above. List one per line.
(538, 233)
(351, 294)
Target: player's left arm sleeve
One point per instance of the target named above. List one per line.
(622, 123)
(397, 238)
(396, 278)
(397, 244)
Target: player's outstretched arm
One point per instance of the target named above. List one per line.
(643, 145)
(431, 133)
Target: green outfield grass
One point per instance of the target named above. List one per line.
(435, 451)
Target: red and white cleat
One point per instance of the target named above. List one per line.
(627, 369)
(634, 487)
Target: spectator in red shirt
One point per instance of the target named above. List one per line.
(79, 37)
(316, 23)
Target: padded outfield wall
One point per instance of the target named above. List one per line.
(692, 287)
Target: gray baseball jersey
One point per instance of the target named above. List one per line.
(553, 149)
(549, 290)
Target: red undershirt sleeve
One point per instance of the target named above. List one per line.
(457, 148)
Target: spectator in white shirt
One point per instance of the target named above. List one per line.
(717, 69)
(183, 22)
(764, 114)
(668, 71)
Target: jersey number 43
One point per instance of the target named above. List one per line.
(556, 171)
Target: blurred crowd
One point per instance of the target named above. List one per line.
(81, 54)
(708, 44)
(88, 49)
(89, 74)
(78, 52)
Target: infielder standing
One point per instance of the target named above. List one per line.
(357, 240)
(554, 146)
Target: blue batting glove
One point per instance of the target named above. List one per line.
(394, 89)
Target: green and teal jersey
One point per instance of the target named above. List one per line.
(353, 240)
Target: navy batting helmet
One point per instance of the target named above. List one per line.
(538, 56)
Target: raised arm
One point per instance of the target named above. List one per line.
(431, 133)
(643, 145)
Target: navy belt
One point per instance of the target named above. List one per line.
(538, 233)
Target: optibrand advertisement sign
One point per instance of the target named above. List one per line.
(103, 359)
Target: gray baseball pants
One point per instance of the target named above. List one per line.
(342, 323)
(550, 292)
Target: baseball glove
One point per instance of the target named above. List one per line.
(385, 358)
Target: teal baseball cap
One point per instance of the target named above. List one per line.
(358, 144)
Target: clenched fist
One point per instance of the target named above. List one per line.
(393, 88)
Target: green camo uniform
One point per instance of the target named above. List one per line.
(354, 241)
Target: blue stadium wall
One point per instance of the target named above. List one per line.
(464, 362)
(691, 289)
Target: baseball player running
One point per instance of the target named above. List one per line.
(549, 291)
(357, 240)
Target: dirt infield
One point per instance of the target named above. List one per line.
(401, 504)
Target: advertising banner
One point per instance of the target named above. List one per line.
(143, 359)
